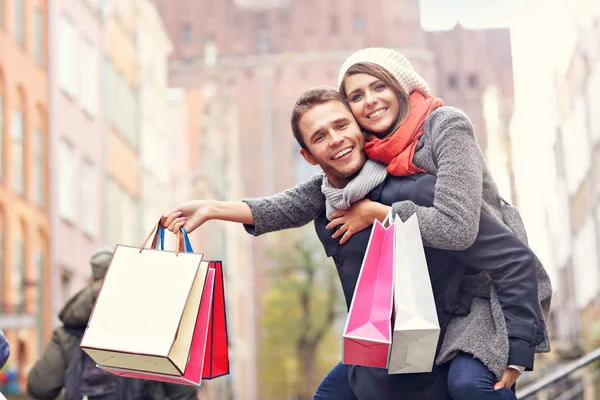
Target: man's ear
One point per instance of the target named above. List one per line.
(308, 157)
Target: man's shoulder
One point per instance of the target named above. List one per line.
(418, 188)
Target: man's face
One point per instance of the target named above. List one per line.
(334, 141)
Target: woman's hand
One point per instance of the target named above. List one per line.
(189, 215)
(359, 216)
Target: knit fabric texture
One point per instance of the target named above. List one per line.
(391, 60)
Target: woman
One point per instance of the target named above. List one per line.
(412, 131)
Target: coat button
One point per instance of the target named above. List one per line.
(339, 261)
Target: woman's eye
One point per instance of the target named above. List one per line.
(380, 87)
(356, 97)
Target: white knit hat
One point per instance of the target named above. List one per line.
(394, 62)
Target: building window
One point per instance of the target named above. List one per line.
(67, 54)
(358, 23)
(1, 130)
(187, 33)
(17, 134)
(38, 258)
(88, 198)
(473, 81)
(18, 281)
(88, 78)
(452, 82)
(334, 28)
(19, 21)
(38, 168)
(113, 209)
(66, 182)
(38, 35)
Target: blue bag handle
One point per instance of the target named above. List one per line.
(160, 243)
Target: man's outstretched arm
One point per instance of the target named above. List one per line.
(194, 213)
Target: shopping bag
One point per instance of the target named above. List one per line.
(416, 326)
(367, 334)
(145, 315)
(216, 361)
(192, 375)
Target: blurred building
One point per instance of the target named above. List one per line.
(121, 98)
(153, 48)
(77, 142)
(556, 138)
(24, 186)
(474, 72)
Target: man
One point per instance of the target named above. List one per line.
(54, 369)
(329, 136)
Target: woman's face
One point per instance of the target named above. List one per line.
(374, 105)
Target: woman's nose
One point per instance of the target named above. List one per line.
(371, 100)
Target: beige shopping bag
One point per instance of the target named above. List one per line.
(146, 311)
(416, 326)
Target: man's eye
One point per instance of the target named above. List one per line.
(318, 138)
(341, 127)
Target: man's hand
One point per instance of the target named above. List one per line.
(189, 215)
(359, 216)
(508, 379)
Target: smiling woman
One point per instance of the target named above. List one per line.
(377, 101)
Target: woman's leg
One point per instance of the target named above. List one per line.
(335, 385)
(469, 379)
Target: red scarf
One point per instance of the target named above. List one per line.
(398, 149)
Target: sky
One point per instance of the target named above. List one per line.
(472, 14)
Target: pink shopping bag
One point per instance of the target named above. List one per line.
(192, 375)
(368, 332)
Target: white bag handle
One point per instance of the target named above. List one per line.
(388, 219)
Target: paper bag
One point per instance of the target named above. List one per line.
(216, 362)
(195, 366)
(145, 314)
(367, 335)
(416, 326)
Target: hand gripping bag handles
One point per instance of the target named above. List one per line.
(149, 322)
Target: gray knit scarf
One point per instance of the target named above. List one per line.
(369, 177)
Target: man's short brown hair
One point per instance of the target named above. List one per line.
(312, 97)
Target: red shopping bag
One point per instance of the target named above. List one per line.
(216, 361)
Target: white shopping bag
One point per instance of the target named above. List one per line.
(146, 311)
(416, 326)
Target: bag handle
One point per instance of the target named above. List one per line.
(182, 242)
(388, 219)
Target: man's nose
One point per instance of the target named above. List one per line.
(336, 137)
